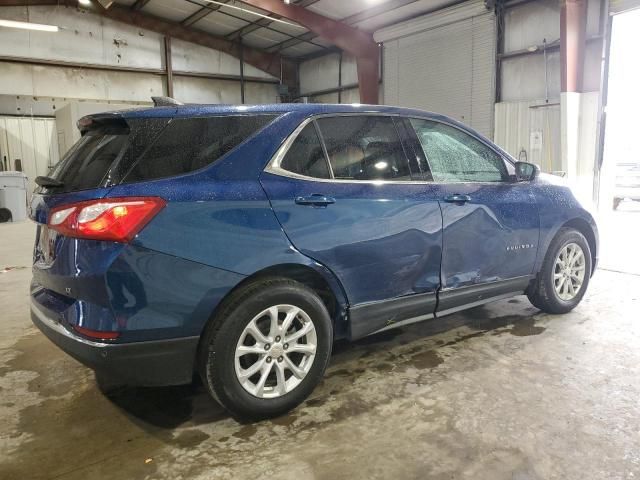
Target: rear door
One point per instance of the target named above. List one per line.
(490, 222)
(342, 190)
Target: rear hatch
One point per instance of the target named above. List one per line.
(99, 160)
(66, 268)
(82, 228)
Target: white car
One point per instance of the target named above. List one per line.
(627, 183)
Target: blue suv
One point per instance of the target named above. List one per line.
(239, 242)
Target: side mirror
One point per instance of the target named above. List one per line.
(526, 172)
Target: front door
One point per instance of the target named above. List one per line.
(344, 196)
(490, 222)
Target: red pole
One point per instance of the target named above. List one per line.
(573, 27)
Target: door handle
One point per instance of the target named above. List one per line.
(457, 198)
(316, 200)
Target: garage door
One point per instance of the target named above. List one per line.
(443, 62)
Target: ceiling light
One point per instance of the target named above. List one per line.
(84, 2)
(287, 2)
(28, 26)
(381, 165)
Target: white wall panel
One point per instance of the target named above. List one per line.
(83, 38)
(523, 78)
(188, 57)
(323, 73)
(204, 90)
(260, 93)
(319, 74)
(90, 39)
(529, 24)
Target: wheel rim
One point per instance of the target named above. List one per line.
(569, 270)
(275, 351)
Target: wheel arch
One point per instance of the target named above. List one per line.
(581, 225)
(315, 276)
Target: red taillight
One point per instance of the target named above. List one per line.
(112, 219)
(95, 334)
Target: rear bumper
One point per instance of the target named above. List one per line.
(151, 363)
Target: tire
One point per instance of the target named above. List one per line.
(616, 203)
(229, 330)
(543, 293)
(5, 215)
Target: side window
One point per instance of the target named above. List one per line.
(188, 144)
(364, 148)
(456, 156)
(305, 156)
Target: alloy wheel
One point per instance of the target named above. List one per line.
(275, 351)
(568, 271)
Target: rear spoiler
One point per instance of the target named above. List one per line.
(165, 102)
(114, 123)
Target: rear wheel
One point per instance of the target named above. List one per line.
(267, 348)
(565, 273)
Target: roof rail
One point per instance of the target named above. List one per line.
(165, 102)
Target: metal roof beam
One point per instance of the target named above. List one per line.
(358, 43)
(200, 14)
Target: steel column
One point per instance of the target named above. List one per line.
(168, 65)
(573, 28)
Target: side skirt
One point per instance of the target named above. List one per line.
(374, 317)
(451, 300)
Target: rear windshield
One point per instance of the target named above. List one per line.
(147, 149)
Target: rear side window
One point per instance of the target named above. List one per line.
(456, 156)
(118, 151)
(188, 144)
(305, 156)
(364, 148)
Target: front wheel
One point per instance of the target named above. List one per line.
(564, 277)
(267, 348)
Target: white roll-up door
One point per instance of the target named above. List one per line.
(444, 62)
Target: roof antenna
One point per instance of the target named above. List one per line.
(165, 102)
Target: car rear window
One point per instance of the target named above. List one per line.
(188, 144)
(146, 149)
(85, 164)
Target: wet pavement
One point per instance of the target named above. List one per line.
(497, 392)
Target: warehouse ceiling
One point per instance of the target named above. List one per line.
(264, 30)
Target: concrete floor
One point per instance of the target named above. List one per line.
(499, 392)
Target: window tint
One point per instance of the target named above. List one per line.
(455, 156)
(188, 144)
(305, 156)
(116, 151)
(85, 165)
(364, 148)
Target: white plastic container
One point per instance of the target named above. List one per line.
(13, 194)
